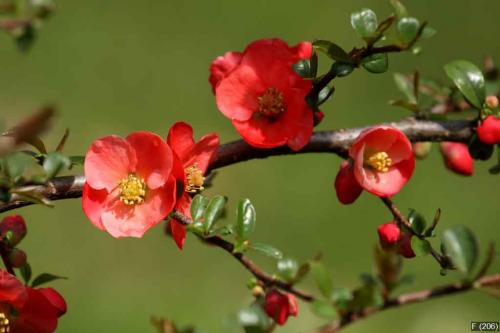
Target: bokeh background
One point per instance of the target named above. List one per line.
(119, 66)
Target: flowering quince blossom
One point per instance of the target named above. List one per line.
(389, 235)
(191, 161)
(457, 158)
(28, 310)
(381, 162)
(261, 94)
(489, 130)
(280, 306)
(129, 187)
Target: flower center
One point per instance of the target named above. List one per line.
(132, 190)
(4, 323)
(271, 102)
(379, 161)
(194, 179)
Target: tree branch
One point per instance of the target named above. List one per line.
(411, 298)
(335, 142)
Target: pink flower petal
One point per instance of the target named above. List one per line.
(222, 66)
(94, 202)
(12, 291)
(180, 139)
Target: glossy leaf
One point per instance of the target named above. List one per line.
(428, 32)
(405, 85)
(322, 278)
(399, 9)
(198, 206)
(213, 211)
(77, 160)
(407, 29)
(45, 278)
(254, 319)
(377, 63)
(26, 273)
(268, 250)
(332, 50)
(460, 244)
(420, 247)
(341, 297)
(417, 221)
(54, 163)
(324, 309)
(303, 68)
(288, 268)
(246, 218)
(16, 164)
(469, 79)
(364, 22)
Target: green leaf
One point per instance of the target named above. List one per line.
(406, 105)
(325, 94)
(254, 319)
(332, 50)
(45, 278)
(324, 309)
(322, 278)
(77, 160)
(407, 29)
(417, 221)
(364, 22)
(399, 9)
(213, 211)
(16, 164)
(469, 79)
(198, 206)
(54, 163)
(428, 32)
(288, 268)
(341, 297)
(342, 69)
(377, 63)
(460, 244)
(246, 218)
(268, 250)
(420, 247)
(303, 68)
(26, 273)
(405, 85)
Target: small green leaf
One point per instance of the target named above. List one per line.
(405, 85)
(198, 206)
(341, 297)
(420, 247)
(303, 68)
(332, 50)
(364, 22)
(406, 105)
(377, 63)
(246, 218)
(342, 69)
(460, 244)
(45, 278)
(254, 319)
(324, 309)
(16, 164)
(322, 278)
(268, 250)
(428, 32)
(407, 29)
(26, 273)
(54, 163)
(213, 211)
(417, 221)
(288, 268)
(399, 9)
(325, 94)
(77, 160)
(469, 79)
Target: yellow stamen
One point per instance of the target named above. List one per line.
(132, 190)
(379, 161)
(271, 102)
(4, 323)
(194, 179)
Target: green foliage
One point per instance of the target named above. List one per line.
(460, 245)
(254, 319)
(246, 218)
(288, 268)
(407, 29)
(267, 249)
(45, 278)
(324, 309)
(332, 50)
(54, 163)
(26, 273)
(198, 206)
(364, 23)
(469, 80)
(399, 9)
(377, 63)
(214, 209)
(417, 221)
(421, 247)
(322, 278)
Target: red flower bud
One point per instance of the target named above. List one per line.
(279, 306)
(492, 101)
(405, 247)
(389, 235)
(457, 158)
(18, 258)
(489, 130)
(346, 185)
(318, 117)
(13, 228)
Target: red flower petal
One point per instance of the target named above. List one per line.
(38, 315)
(12, 291)
(93, 202)
(178, 230)
(180, 139)
(222, 67)
(57, 301)
(154, 158)
(346, 186)
(299, 118)
(489, 130)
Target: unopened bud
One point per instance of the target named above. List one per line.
(405, 247)
(492, 102)
(489, 130)
(457, 158)
(18, 258)
(13, 229)
(389, 235)
(257, 291)
(421, 149)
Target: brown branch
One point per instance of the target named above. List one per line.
(266, 278)
(335, 142)
(410, 298)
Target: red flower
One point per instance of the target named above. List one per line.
(280, 306)
(489, 130)
(191, 161)
(17, 227)
(129, 187)
(389, 235)
(28, 310)
(262, 95)
(346, 185)
(405, 246)
(457, 158)
(382, 162)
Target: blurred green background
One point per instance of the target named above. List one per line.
(120, 66)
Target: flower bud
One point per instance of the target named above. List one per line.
(13, 229)
(346, 185)
(421, 149)
(492, 102)
(405, 246)
(18, 258)
(257, 291)
(489, 130)
(318, 117)
(389, 235)
(279, 306)
(457, 158)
